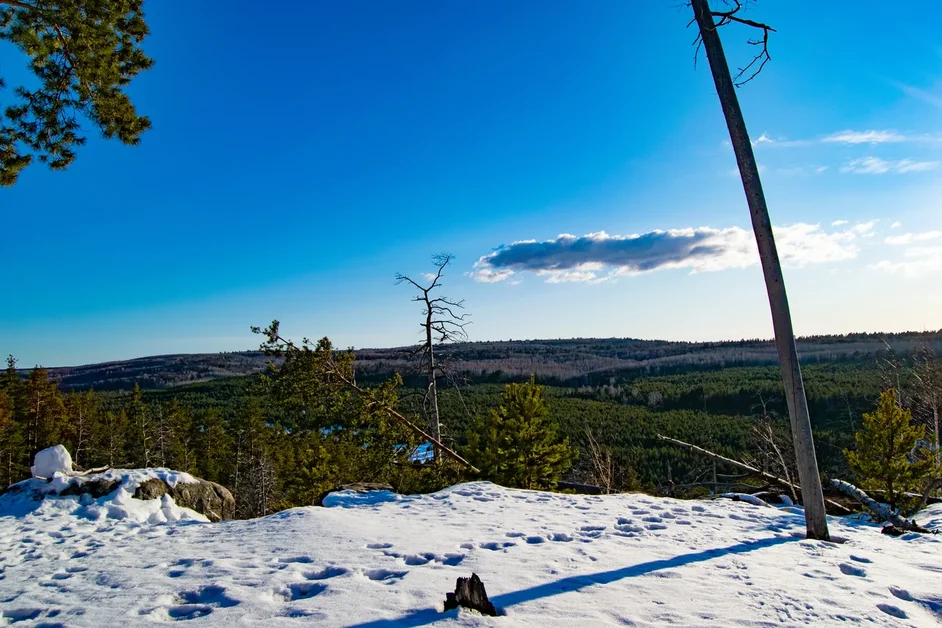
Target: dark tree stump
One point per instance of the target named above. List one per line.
(470, 593)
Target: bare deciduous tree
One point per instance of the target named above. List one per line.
(442, 322)
(708, 22)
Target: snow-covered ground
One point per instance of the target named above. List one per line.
(380, 560)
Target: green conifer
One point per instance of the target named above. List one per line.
(516, 445)
(888, 457)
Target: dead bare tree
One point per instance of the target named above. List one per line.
(442, 322)
(604, 470)
(709, 22)
(927, 397)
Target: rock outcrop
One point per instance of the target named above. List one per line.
(211, 500)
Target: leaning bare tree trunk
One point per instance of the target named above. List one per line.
(752, 470)
(812, 494)
(880, 510)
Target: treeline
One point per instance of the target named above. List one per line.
(280, 442)
(574, 362)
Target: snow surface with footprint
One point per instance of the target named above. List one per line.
(380, 559)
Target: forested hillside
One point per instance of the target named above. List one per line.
(570, 362)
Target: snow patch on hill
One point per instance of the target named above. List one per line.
(380, 559)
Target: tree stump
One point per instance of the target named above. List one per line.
(470, 593)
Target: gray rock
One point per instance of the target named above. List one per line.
(211, 500)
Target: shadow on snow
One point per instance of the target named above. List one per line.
(426, 616)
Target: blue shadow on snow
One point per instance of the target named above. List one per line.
(426, 616)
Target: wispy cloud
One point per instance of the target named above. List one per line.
(864, 137)
(896, 225)
(838, 223)
(920, 94)
(916, 262)
(598, 257)
(875, 165)
(849, 136)
(909, 238)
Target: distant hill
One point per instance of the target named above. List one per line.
(566, 362)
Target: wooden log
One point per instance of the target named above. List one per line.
(470, 593)
(838, 508)
(880, 510)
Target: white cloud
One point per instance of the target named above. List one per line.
(916, 262)
(875, 165)
(821, 169)
(909, 238)
(896, 225)
(865, 137)
(838, 223)
(598, 257)
(429, 276)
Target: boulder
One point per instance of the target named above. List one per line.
(211, 500)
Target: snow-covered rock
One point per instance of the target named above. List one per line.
(107, 494)
(52, 460)
(379, 560)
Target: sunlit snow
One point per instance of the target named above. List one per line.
(381, 559)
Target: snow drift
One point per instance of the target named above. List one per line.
(380, 559)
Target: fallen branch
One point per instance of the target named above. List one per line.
(880, 510)
(843, 510)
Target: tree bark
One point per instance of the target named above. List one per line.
(808, 477)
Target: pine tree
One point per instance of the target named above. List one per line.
(83, 53)
(887, 456)
(140, 430)
(214, 446)
(44, 412)
(516, 445)
(112, 438)
(82, 411)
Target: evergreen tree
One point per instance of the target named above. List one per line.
(516, 445)
(43, 411)
(213, 446)
(887, 456)
(82, 411)
(140, 430)
(83, 53)
(112, 439)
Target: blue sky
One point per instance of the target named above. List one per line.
(300, 158)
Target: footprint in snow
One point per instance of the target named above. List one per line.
(297, 559)
(860, 559)
(652, 519)
(200, 603)
(384, 575)
(535, 540)
(327, 572)
(496, 545)
(379, 546)
(893, 611)
(515, 535)
(850, 570)
(560, 537)
(901, 594)
(302, 590)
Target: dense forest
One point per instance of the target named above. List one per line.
(572, 362)
(283, 437)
